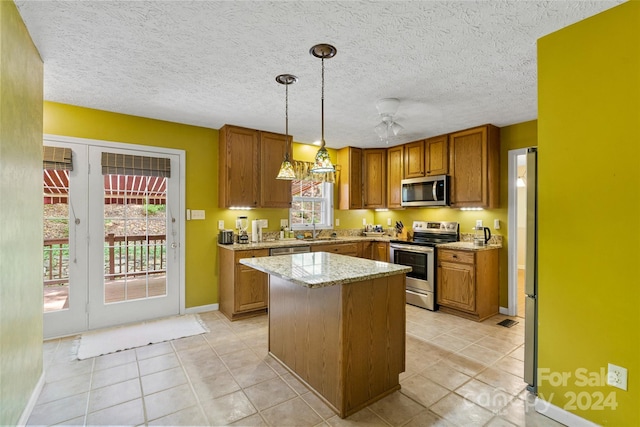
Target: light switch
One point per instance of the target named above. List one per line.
(197, 214)
(221, 224)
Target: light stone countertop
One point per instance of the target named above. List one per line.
(467, 246)
(320, 269)
(301, 242)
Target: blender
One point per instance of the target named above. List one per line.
(242, 223)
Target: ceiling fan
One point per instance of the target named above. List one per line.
(388, 127)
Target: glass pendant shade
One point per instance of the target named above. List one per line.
(286, 171)
(322, 163)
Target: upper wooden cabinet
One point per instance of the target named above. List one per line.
(436, 152)
(350, 178)
(395, 158)
(274, 193)
(375, 178)
(414, 159)
(238, 167)
(249, 161)
(474, 166)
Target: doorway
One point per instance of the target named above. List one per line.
(113, 248)
(517, 217)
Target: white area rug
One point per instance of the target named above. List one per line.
(105, 341)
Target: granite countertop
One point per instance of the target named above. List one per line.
(320, 269)
(282, 243)
(467, 246)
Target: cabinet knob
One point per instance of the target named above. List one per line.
(455, 256)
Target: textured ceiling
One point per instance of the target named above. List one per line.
(453, 65)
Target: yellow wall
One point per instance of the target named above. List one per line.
(589, 199)
(20, 215)
(512, 137)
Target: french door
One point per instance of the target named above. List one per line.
(124, 246)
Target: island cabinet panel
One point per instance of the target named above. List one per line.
(474, 165)
(395, 174)
(468, 283)
(346, 342)
(243, 290)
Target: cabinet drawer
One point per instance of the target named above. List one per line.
(250, 254)
(465, 257)
(342, 249)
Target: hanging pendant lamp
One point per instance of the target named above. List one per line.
(322, 163)
(286, 169)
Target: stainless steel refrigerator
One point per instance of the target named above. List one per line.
(531, 275)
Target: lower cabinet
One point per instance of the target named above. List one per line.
(468, 283)
(380, 251)
(243, 290)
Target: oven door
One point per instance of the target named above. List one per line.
(421, 261)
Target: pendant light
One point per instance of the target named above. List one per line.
(322, 163)
(286, 169)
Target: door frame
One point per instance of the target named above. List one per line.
(512, 220)
(181, 202)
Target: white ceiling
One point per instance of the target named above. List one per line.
(453, 65)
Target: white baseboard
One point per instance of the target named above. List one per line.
(202, 308)
(560, 415)
(32, 401)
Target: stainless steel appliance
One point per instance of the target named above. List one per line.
(225, 237)
(426, 191)
(420, 255)
(289, 250)
(531, 275)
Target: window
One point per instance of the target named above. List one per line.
(312, 203)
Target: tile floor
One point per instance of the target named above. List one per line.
(458, 373)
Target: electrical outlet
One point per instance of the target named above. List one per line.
(364, 221)
(388, 221)
(478, 223)
(337, 222)
(496, 224)
(221, 224)
(617, 376)
(284, 223)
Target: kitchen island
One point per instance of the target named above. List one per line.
(338, 324)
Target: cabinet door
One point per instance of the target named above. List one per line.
(456, 286)
(350, 178)
(437, 155)
(395, 158)
(375, 178)
(414, 159)
(380, 251)
(350, 249)
(274, 193)
(238, 169)
(474, 165)
(251, 289)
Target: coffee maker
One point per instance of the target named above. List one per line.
(242, 224)
(481, 236)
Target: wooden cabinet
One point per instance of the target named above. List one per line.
(374, 178)
(350, 178)
(468, 283)
(395, 171)
(349, 249)
(249, 161)
(414, 159)
(243, 290)
(474, 165)
(238, 167)
(380, 251)
(274, 193)
(436, 157)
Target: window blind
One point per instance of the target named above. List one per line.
(56, 158)
(126, 164)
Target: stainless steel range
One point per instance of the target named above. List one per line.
(419, 253)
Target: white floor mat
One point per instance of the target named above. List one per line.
(105, 341)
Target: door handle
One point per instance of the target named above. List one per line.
(174, 245)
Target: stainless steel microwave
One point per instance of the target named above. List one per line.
(427, 191)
